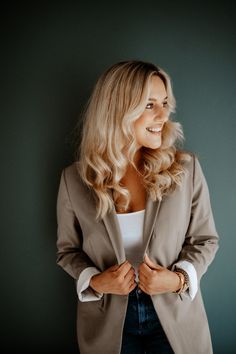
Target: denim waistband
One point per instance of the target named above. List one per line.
(138, 292)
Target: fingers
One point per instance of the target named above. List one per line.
(143, 288)
(129, 280)
(124, 275)
(145, 270)
(150, 263)
(118, 267)
(127, 283)
(132, 286)
(148, 278)
(130, 275)
(143, 278)
(113, 268)
(124, 269)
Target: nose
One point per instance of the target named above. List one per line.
(160, 114)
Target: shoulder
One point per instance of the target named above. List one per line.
(79, 193)
(190, 163)
(195, 174)
(71, 170)
(186, 159)
(72, 176)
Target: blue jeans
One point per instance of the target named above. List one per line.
(143, 333)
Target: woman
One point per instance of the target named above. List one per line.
(135, 226)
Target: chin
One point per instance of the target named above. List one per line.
(153, 146)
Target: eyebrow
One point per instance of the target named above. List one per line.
(153, 99)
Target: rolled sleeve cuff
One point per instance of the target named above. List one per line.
(192, 274)
(84, 291)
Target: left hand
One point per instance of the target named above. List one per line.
(155, 279)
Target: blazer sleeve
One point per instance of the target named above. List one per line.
(201, 239)
(70, 255)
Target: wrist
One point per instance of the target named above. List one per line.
(183, 281)
(179, 282)
(93, 282)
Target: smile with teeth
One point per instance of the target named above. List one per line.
(154, 130)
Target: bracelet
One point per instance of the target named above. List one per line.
(185, 274)
(182, 282)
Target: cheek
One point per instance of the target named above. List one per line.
(140, 132)
(140, 124)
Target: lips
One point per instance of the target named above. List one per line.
(154, 129)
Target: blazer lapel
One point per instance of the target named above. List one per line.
(113, 228)
(112, 225)
(150, 216)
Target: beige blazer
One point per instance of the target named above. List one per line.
(180, 227)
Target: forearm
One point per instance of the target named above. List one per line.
(84, 290)
(73, 262)
(192, 277)
(200, 251)
(201, 239)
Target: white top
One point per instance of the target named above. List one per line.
(131, 227)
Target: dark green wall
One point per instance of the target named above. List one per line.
(51, 56)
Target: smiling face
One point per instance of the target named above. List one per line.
(148, 127)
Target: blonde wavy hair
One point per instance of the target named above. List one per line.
(108, 143)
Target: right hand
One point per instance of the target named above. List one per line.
(118, 279)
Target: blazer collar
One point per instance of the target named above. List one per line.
(112, 225)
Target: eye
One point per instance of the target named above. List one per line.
(149, 106)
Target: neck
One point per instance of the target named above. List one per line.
(137, 157)
(130, 169)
